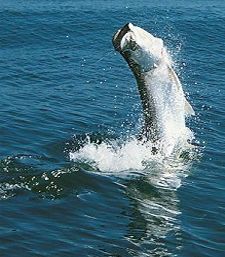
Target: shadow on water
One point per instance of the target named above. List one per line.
(18, 175)
(51, 175)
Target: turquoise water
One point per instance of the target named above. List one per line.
(63, 87)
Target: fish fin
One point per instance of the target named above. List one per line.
(188, 109)
(173, 76)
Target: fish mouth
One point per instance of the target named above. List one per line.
(117, 38)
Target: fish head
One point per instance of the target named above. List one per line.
(140, 48)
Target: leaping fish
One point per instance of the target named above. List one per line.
(163, 100)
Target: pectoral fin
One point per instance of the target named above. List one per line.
(188, 109)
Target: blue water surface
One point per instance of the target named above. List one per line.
(62, 80)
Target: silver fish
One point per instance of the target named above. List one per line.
(163, 100)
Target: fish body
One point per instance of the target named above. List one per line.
(163, 100)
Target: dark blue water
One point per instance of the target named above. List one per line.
(61, 80)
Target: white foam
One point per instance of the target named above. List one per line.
(115, 156)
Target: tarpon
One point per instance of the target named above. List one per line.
(163, 100)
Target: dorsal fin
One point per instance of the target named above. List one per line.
(188, 109)
(174, 77)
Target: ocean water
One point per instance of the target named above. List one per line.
(73, 179)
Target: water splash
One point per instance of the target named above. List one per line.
(114, 156)
(129, 157)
